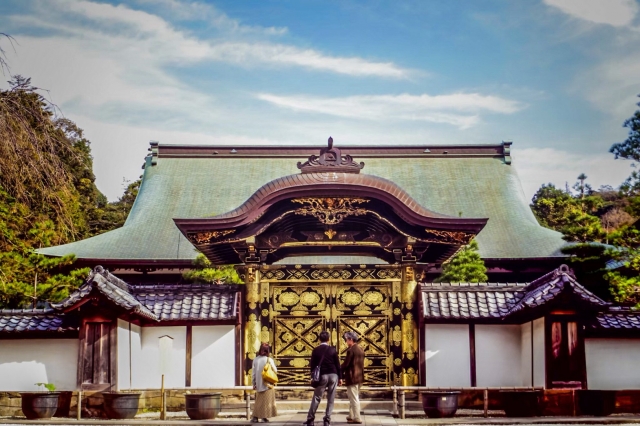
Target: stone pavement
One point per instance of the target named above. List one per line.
(370, 418)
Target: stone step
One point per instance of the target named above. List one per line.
(339, 404)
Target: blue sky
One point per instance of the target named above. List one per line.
(558, 77)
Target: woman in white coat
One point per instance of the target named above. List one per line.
(265, 406)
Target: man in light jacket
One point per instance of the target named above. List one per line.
(353, 375)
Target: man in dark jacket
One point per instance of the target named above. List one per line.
(353, 374)
(327, 358)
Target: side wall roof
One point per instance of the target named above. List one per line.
(175, 187)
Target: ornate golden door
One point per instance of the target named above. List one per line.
(301, 312)
(292, 307)
(374, 340)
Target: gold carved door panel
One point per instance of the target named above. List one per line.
(295, 337)
(299, 312)
(373, 332)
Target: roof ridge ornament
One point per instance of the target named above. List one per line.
(330, 160)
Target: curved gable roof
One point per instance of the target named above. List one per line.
(195, 182)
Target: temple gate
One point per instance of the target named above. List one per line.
(289, 306)
(331, 209)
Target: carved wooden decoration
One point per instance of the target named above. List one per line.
(208, 237)
(448, 237)
(330, 211)
(330, 160)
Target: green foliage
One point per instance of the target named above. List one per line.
(625, 281)
(552, 206)
(205, 272)
(113, 215)
(582, 227)
(584, 216)
(465, 266)
(32, 278)
(25, 276)
(47, 197)
(49, 386)
(589, 261)
(608, 216)
(630, 148)
(582, 187)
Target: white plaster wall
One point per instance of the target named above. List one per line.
(539, 362)
(526, 353)
(123, 354)
(136, 356)
(447, 355)
(612, 363)
(213, 356)
(498, 355)
(25, 362)
(146, 360)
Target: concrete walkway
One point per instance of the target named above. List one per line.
(369, 418)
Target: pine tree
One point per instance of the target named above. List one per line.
(630, 148)
(551, 206)
(465, 266)
(205, 272)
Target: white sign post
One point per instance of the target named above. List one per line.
(166, 347)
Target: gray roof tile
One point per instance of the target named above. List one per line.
(616, 319)
(189, 301)
(499, 300)
(32, 320)
(154, 301)
(110, 286)
(468, 300)
(551, 285)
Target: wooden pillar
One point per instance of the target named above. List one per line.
(252, 327)
(239, 342)
(188, 356)
(422, 362)
(113, 355)
(472, 354)
(410, 360)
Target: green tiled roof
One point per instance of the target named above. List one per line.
(176, 187)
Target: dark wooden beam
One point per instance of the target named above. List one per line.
(82, 339)
(188, 355)
(472, 353)
(422, 364)
(113, 354)
(239, 339)
(301, 151)
(183, 323)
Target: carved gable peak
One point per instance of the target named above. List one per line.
(330, 160)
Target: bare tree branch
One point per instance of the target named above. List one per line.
(4, 65)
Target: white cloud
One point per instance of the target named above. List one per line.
(536, 166)
(105, 64)
(458, 109)
(618, 13)
(197, 11)
(613, 85)
(122, 28)
(279, 54)
(609, 81)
